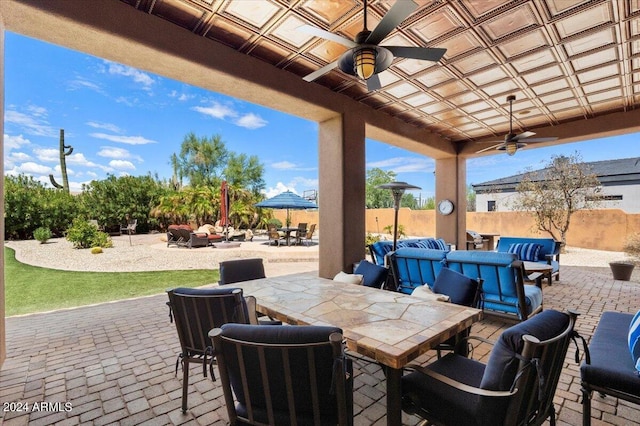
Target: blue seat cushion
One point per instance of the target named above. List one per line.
(529, 252)
(532, 299)
(634, 340)
(611, 366)
(372, 275)
(460, 288)
(503, 363)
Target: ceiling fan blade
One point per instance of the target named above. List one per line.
(315, 31)
(489, 148)
(373, 83)
(523, 135)
(534, 140)
(398, 13)
(423, 53)
(320, 72)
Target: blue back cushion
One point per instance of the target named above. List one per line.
(460, 288)
(528, 252)
(634, 340)
(503, 364)
(372, 275)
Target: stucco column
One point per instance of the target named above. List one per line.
(341, 193)
(451, 178)
(3, 334)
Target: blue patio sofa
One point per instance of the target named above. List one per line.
(504, 292)
(549, 251)
(380, 249)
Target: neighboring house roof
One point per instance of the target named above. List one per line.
(624, 171)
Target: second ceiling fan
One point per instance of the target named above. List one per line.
(513, 142)
(365, 58)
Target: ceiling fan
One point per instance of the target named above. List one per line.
(365, 58)
(513, 142)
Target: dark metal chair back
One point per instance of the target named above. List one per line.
(284, 374)
(233, 271)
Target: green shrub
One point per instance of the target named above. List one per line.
(42, 234)
(96, 250)
(83, 234)
(275, 221)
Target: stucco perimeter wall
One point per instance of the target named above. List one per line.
(605, 229)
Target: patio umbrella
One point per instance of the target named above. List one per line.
(224, 207)
(287, 200)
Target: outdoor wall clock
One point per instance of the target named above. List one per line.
(445, 207)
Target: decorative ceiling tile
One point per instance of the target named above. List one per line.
(328, 51)
(605, 106)
(596, 74)
(568, 113)
(535, 60)
(543, 74)
(459, 44)
(556, 96)
(418, 100)
(434, 107)
(463, 98)
(450, 89)
(356, 24)
(225, 32)
(330, 11)
(479, 8)
(401, 90)
(550, 86)
(595, 59)
(559, 106)
(474, 62)
(387, 78)
(512, 21)
(485, 77)
(486, 114)
(434, 77)
(255, 13)
(582, 21)
(505, 86)
(635, 47)
(475, 107)
(288, 31)
(526, 43)
(556, 7)
(438, 24)
(269, 52)
(607, 94)
(601, 85)
(183, 14)
(592, 41)
(413, 66)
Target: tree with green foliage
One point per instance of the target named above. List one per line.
(376, 198)
(202, 159)
(471, 199)
(110, 200)
(556, 192)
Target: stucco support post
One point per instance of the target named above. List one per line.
(3, 334)
(451, 178)
(341, 193)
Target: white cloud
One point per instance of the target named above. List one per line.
(251, 121)
(138, 76)
(405, 164)
(180, 96)
(280, 187)
(104, 126)
(82, 83)
(222, 112)
(129, 140)
(216, 110)
(34, 124)
(118, 153)
(47, 154)
(283, 165)
(34, 168)
(122, 165)
(18, 156)
(13, 142)
(305, 183)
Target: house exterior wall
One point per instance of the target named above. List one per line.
(630, 202)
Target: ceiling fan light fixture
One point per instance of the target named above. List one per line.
(364, 61)
(511, 148)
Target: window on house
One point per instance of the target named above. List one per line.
(491, 206)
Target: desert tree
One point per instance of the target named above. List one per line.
(554, 193)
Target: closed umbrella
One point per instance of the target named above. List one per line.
(224, 208)
(287, 200)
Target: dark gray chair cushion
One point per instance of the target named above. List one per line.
(460, 288)
(233, 271)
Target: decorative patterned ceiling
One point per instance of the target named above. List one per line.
(564, 60)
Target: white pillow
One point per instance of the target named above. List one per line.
(425, 292)
(348, 278)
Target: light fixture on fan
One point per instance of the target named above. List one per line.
(511, 148)
(364, 62)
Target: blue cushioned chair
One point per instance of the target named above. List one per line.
(414, 267)
(281, 374)
(372, 275)
(515, 387)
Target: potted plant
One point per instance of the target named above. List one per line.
(622, 270)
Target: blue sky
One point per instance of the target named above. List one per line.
(122, 121)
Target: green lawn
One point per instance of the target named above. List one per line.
(31, 289)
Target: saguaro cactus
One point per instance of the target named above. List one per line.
(63, 164)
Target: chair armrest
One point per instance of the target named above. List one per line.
(251, 307)
(458, 385)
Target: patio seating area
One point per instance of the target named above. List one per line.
(114, 363)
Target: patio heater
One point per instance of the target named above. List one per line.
(397, 189)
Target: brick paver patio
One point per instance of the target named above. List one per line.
(114, 364)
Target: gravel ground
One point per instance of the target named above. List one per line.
(149, 252)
